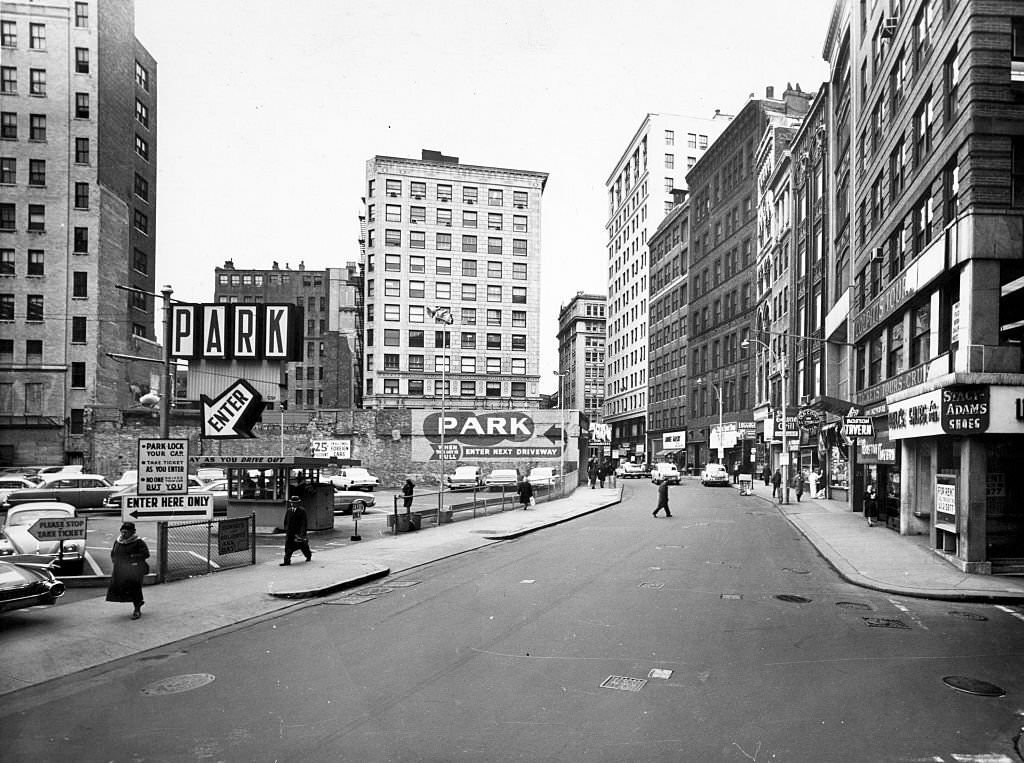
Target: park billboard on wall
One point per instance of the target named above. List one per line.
(499, 435)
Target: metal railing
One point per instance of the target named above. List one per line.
(187, 549)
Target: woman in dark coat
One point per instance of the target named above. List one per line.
(407, 491)
(129, 556)
(525, 491)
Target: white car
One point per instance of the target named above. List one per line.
(353, 478)
(629, 470)
(18, 542)
(502, 478)
(129, 477)
(9, 483)
(714, 474)
(665, 472)
(542, 475)
(465, 477)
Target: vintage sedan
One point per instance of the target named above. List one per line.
(83, 491)
(502, 478)
(347, 501)
(12, 482)
(464, 477)
(353, 478)
(17, 541)
(27, 585)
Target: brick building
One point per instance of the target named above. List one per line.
(581, 354)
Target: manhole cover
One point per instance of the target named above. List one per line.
(853, 605)
(967, 615)
(886, 622)
(973, 686)
(792, 598)
(177, 684)
(623, 683)
(655, 586)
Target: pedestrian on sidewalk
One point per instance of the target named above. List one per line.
(407, 491)
(735, 472)
(611, 474)
(129, 555)
(525, 491)
(766, 475)
(777, 483)
(799, 484)
(592, 473)
(295, 526)
(870, 505)
(602, 473)
(662, 499)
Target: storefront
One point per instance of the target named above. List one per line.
(834, 454)
(962, 448)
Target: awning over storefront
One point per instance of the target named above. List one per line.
(833, 405)
(668, 452)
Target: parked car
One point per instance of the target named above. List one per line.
(347, 500)
(27, 585)
(209, 474)
(115, 500)
(629, 470)
(714, 474)
(354, 478)
(45, 471)
(11, 482)
(16, 540)
(83, 491)
(542, 475)
(665, 472)
(465, 477)
(502, 478)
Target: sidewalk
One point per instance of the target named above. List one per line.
(878, 558)
(64, 639)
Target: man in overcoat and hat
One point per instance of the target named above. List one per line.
(295, 539)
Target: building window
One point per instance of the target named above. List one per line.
(82, 60)
(392, 287)
(467, 389)
(78, 375)
(140, 261)
(81, 195)
(444, 192)
(468, 243)
(468, 316)
(467, 364)
(494, 317)
(37, 36)
(1016, 172)
(392, 237)
(417, 239)
(141, 187)
(495, 198)
(392, 338)
(493, 293)
(37, 127)
(923, 130)
(519, 271)
(81, 150)
(78, 325)
(520, 199)
(391, 361)
(519, 224)
(417, 290)
(493, 388)
(951, 191)
(494, 220)
(393, 188)
(8, 170)
(417, 263)
(670, 161)
(6, 262)
(920, 327)
(141, 76)
(141, 113)
(494, 269)
(141, 222)
(9, 125)
(416, 338)
(81, 105)
(393, 213)
(141, 147)
(37, 82)
(493, 245)
(469, 268)
(8, 34)
(519, 319)
(519, 342)
(81, 14)
(36, 217)
(416, 313)
(922, 217)
(444, 217)
(442, 290)
(519, 247)
(443, 265)
(469, 292)
(6, 307)
(391, 386)
(519, 295)
(894, 361)
(519, 369)
(518, 388)
(81, 240)
(36, 262)
(467, 340)
(468, 218)
(443, 242)
(493, 341)
(8, 80)
(392, 313)
(34, 307)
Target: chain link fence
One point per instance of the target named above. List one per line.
(187, 549)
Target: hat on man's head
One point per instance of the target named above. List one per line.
(294, 499)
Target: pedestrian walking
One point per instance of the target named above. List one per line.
(799, 485)
(295, 526)
(129, 555)
(525, 492)
(602, 473)
(766, 475)
(662, 499)
(870, 505)
(611, 474)
(735, 472)
(592, 473)
(777, 483)
(407, 491)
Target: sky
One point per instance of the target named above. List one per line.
(268, 111)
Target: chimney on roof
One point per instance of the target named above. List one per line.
(797, 101)
(229, 264)
(274, 265)
(769, 92)
(302, 264)
(427, 155)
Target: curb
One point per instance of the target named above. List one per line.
(330, 588)
(527, 530)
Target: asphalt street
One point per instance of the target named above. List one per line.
(718, 634)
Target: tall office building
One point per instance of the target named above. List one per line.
(78, 146)
(331, 302)
(452, 284)
(581, 354)
(640, 186)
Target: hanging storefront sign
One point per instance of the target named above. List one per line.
(858, 426)
(962, 409)
(965, 409)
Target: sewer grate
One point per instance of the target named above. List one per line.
(854, 605)
(733, 596)
(973, 686)
(177, 684)
(967, 615)
(623, 683)
(351, 599)
(655, 586)
(792, 598)
(886, 622)
(664, 673)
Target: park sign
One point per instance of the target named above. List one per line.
(163, 466)
(509, 435)
(223, 331)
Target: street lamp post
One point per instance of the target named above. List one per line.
(781, 362)
(721, 446)
(442, 315)
(562, 437)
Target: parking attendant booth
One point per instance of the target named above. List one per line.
(262, 486)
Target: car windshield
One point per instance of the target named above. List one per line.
(26, 518)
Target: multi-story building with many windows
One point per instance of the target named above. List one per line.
(452, 283)
(581, 354)
(331, 302)
(78, 146)
(640, 186)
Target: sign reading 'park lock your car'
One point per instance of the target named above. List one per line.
(481, 435)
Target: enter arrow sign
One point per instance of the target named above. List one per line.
(164, 513)
(232, 414)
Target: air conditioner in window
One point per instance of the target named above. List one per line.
(889, 26)
(392, 194)
(447, 225)
(471, 201)
(520, 206)
(417, 196)
(877, 254)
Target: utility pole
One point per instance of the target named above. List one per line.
(166, 382)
